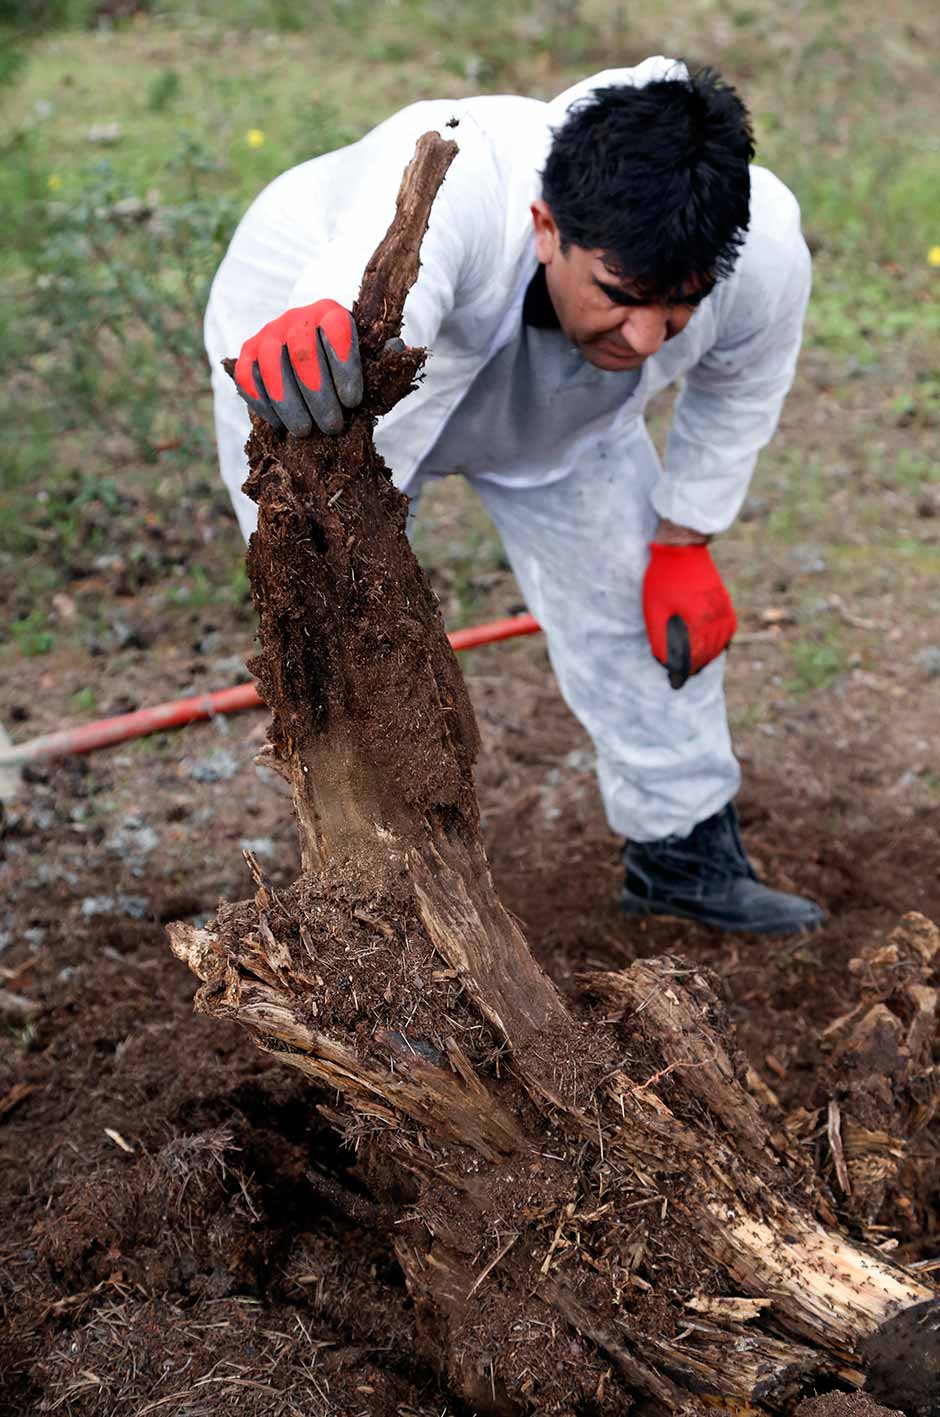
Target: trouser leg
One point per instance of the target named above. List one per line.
(579, 550)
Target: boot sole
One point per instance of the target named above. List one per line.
(634, 905)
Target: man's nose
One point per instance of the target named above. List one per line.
(645, 328)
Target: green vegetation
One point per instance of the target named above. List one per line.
(129, 149)
(816, 663)
(84, 700)
(32, 634)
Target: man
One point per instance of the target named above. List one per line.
(581, 255)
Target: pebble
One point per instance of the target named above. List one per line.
(136, 906)
(808, 561)
(133, 838)
(49, 873)
(215, 767)
(210, 643)
(231, 666)
(929, 660)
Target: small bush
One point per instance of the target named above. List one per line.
(109, 300)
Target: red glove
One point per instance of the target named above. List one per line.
(688, 611)
(302, 369)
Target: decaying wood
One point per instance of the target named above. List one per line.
(545, 1182)
(881, 1086)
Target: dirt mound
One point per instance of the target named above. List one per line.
(215, 1266)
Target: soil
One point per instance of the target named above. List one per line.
(165, 1247)
(841, 1405)
(187, 1229)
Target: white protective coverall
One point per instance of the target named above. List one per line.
(577, 514)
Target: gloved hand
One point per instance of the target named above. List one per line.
(303, 368)
(688, 611)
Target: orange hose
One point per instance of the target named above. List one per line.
(104, 732)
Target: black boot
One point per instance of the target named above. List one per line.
(707, 877)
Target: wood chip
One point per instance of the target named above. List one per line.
(843, 1019)
(118, 1139)
(383, 927)
(556, 1242)
(761, 1090)
(855, 621)
(16, 1006)
(777, 615)
(834, 1132)
(16, 1094)
(492, 1265)
(13, 976)
(733, 1309)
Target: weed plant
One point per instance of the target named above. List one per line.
(110, 298)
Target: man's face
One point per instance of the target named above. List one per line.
(612, 326)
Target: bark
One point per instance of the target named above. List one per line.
(560, 1193)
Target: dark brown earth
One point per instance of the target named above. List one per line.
(116, 1262)
(841, 1405)
(214, 1266)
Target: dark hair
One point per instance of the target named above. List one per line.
(656, 178)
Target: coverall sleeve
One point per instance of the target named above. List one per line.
(454, 263)
(731, 401)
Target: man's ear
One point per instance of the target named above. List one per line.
(547, 239)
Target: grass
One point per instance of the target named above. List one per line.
(84, 700)
(817, 662)
(99, 320)
(31, 634)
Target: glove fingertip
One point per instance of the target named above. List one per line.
(346, 372)
(244, 382)
(339, 330)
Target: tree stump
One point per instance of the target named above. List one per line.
(587, 1212)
